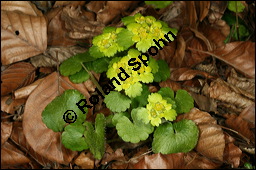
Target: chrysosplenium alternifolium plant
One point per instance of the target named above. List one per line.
(136, 113)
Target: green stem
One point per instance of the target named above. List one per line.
(93, 79)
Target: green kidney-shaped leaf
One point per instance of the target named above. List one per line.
(72, 137)
(124, 38)
(133, 132)
(117, 102)
(184, 101)
(64, 107)
(96, 138)
(173, 138)
(163, 71)
(80, 76)
(70, 66)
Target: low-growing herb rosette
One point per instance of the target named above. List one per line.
(106, 44)
(145, 29)
(131, 85)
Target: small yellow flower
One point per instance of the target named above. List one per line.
(158, 108)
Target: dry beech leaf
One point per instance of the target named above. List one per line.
(182, 74)
(78, 23)
(49, 144)
(85, 161)
(248, 113)
(57, 34)
(65, 3)
(202, 9)
(240, 125)
(19, 139)
(243, 83)
(217, 10)
(16, 76)
(22, 36)
(240, 55)
(111, 155)
(24, 92)
(193, 160)
(49, 57)
(25, 7)
(112, 10)
(161, 161)
(6, 130)
(211, 142)
(232, 153)
(220, 90)
(10, 105)
(169, 83)
(11, 156)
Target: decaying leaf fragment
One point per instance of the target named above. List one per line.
(16, 76)
(22, 36)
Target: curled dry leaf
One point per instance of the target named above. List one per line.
(169, 83)
(24, 92)
(16, 76)
(161, 161)
(6, 130)
(202, 8)
(182, 74)
(111, 155)
(248, 113)
(85, 161)
(78, 23)
(242, 126)
(10, 105)
(25, 7)
(49, 58)
(220, 90)
(217, 10)
(22, 36)
(19, 139)
(48, 145)
(193, 160)
(11, 156)
(240, 55)
(57, 34)
(65, 3)
(232, 153)
(243, 83)
(112, 10)
(211, 142)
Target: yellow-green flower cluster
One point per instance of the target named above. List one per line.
(131, 85)
(145, 29)
(107, 42)
(158, 108)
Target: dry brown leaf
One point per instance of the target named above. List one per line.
(193, 160)
(169, 83)
(57, 34)
(111, 155)
(49, 144)
(65, 3)
(85, 161)
(6, 130)
(16, 76)
(220, 90)
(204, 103)
(112, 10)
(19, 139)
(80, 24)
(240, 55)
(217, 10)
(232, 153)
(243, 83)
(182, 74)
(191, 15)
(161, 161)
(242, 126)
(22, 36)
(202, 9)
(248, 113)
(12, 156)
(49, 58)
(24, 92)
(10, 105)
(25, 7)
(211, 142)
